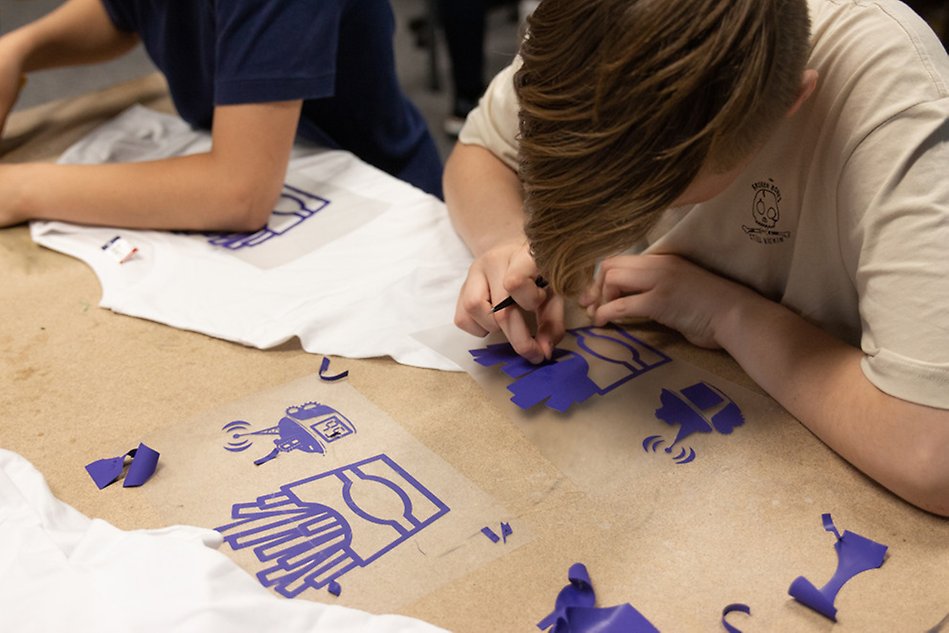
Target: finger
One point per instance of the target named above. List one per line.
(518, 333)
(520, 281)
(513, 323)
(550, 325)
(622, 261)
(623, 281)
(464, 322)
(473, 309)
(591, 294)
(630, 306)
(652, 262)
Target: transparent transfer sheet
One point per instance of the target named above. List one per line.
(612, 411)
(318, 493)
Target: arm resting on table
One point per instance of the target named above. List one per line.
(233, 187)
(818, 379)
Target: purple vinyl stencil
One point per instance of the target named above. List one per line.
(313, 531)
(294, 207)
(698, 408)
(574, 610)
(566, 379)
(308, 428)
(742, 608)
(144, 461)
(855, 554)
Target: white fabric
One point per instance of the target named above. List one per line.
(857, 190)
(61, 571)
(356, 279)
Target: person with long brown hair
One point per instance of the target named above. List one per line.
(780, 167)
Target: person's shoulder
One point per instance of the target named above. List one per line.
(884, 38)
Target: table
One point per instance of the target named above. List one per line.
(72, 372)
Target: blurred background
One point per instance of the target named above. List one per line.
(422, 55)
(445, 51)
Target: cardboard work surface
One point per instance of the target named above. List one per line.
(678, 542)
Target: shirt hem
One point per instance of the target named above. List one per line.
(273, 89)
(922, 383)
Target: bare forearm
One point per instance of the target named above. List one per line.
(190, 192)
(484, 198)
(818, 379)
(78, 32)
(231, 187)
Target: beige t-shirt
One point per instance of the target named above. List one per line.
(844, 215)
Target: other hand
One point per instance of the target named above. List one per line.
(667, 289)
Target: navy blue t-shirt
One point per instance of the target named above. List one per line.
(335, 55)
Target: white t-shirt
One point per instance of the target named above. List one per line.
(844, 215)
(353, 261)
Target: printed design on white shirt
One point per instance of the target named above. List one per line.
(308, 215)
(766, 211)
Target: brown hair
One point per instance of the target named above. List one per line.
(623, 102)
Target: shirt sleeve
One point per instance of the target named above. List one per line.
(493, 123)
(119, 13)
(275, 51)
(893, 199)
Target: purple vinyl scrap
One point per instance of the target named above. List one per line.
(307, 428)
(574, 610)
(855, 554)
(324, 366)
(105, 472)
(741, 608)
(565, 379)
(492, 536)
(506, 531)
(313, 531)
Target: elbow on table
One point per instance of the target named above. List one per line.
(934, 499)
(930, 480)
(245, 207)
